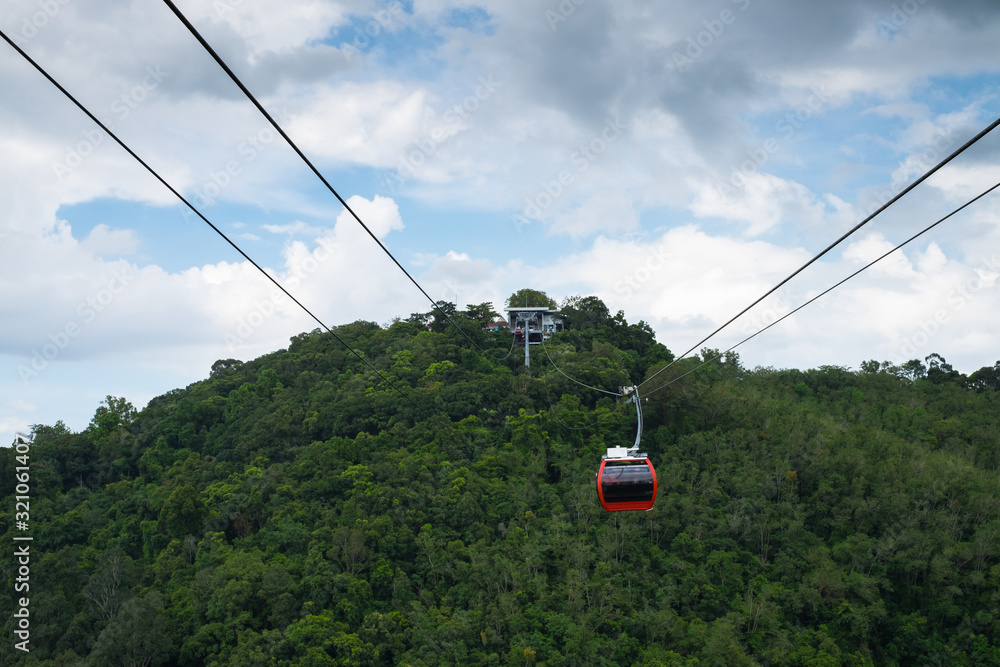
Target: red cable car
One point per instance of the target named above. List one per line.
(626, 479)
(626, 484)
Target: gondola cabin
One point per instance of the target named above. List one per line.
(626, 482)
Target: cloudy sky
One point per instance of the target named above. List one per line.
(676, 159)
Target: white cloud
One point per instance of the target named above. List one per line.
(761, 200)
(962, 182)
(603, 213)
(461, 280)
(873, 246)
(266, 27)
(22, 406)
(10, 425)
(367, 124)
(297, 227)
(104, 241)
(932, 260)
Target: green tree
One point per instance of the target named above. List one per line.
(528, 297)
(482, 314)
(439, 316)
(939, 370)
(914, 369)
(223, 365)
(136, 636)
(986, 378)
(321, 640)
(581, 313)
(113, 414)
(183, 513)
(108, 588)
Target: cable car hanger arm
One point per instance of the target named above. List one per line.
(631, 395)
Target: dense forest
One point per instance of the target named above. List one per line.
(300, 509)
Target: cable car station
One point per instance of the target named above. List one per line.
(531, 325)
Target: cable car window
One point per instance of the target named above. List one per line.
(627, 482)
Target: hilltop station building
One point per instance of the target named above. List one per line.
(532, 324)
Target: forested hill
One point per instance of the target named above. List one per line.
(297, 510)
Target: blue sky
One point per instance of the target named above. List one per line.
(675, 159)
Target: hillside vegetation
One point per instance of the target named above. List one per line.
(296, 510)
